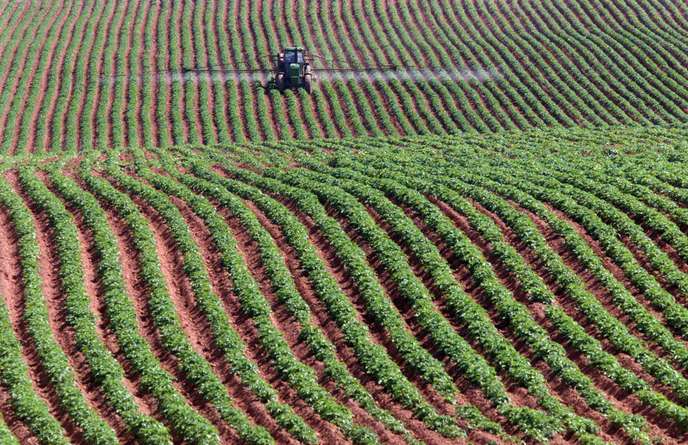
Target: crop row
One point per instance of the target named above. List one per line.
(113, 74)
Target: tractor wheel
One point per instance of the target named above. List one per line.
(308, 83)
(280, 82)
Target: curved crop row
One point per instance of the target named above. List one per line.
(81, 74)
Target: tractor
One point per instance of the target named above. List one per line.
(292, 69)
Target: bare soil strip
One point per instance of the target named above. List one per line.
(49, 265)
(136, 289)
(152, 54)
(94, 289)
(195, 328)
(59, 61)
(332, 331)
(22, 71)
(11, 289)
(618, 397)
(519, 396)
(222, 285)
(619, 274)
(289, 326)
(566, 394)
(593, 285)
(18, 429)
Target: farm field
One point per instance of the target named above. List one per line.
(473, 230)
(81, 74)
(522, 286)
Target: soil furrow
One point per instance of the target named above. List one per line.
(327, 325)
(16, 83)
(94, 289)
(222, 285)
(289, 326)
(427, 281)
(641, 258)
(49, 266)
(123, 75)
(44, 84)
(593, 285)
(18, 429)
(137, 289)
(193, 323)
(537, 310)
(616, 395)
(11, 288)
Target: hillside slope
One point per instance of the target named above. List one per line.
(486, 288)
(79, 74)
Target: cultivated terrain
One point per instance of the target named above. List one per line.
(487, 245)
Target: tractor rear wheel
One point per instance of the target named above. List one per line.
(308, 83)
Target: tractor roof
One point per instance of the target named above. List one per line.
(293, 48)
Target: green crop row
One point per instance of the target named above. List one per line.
(54, 362)
(104, 369)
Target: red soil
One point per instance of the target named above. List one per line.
(427, 23)
(124, 70)
(107, 90)
(322, 319)
(324, 115)
(329, 256)
(152, 54)
(135, 90)
(593, 285)
(290, 327)
(207, 42)
(619, 398)
(566, 394)
(660, 277)
(174, 28)
(340, 38)
(87, 73)
(242, 23)
(368, 16)
(17, 35)
(194, 98)
(618, 273)
(519, 395)
(293, 35)
(21, 69)
(222, 285)
(392, 291)
(59, 61)
(7, 16)
(195, 327)
(241, 104)
(93, 286)
(419, 26)
(160, 86)
(84, 87)
(49, 265)
(18, 429)
(266, 95)
(362, 58)
(11, 289)
(334, 100)
(137, 289)
(270, 32)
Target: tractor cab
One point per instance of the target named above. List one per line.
(292, 69)
(294, 55)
